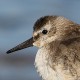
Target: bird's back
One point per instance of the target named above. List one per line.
(69, 60)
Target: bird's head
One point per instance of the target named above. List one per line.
(48, 29)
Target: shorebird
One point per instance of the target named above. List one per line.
(58, 40)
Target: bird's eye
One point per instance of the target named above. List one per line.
(44, 31)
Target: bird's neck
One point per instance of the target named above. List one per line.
(44, 60)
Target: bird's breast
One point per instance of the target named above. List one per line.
(61, 63)
(43, 67)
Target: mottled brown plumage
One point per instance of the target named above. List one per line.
(58, 39)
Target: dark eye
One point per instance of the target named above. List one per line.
(44, 31)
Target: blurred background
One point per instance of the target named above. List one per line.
(17, 18)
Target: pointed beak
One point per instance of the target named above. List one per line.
(23, 45)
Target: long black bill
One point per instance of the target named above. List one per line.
(23, 45)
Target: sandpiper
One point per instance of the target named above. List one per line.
(58, 40)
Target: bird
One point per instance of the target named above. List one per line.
(58, 42)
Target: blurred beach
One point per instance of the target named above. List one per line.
(17, 18)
